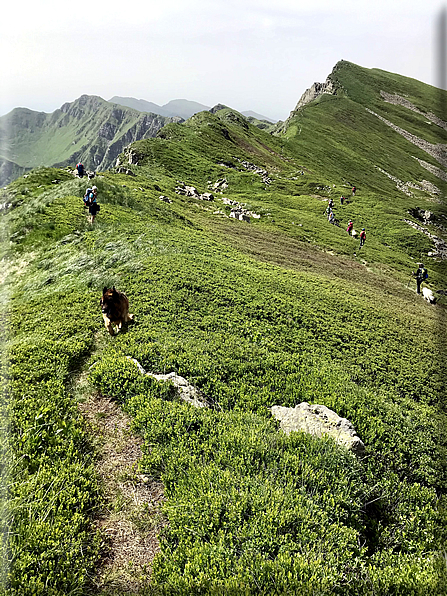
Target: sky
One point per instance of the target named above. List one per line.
(258, 55)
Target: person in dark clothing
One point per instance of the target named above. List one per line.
(421, 275)
(80, 169)
(353, 190)
(90, 201)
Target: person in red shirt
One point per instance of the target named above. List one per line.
(349, 228)
(362, 237)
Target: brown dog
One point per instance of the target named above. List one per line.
(115, 309)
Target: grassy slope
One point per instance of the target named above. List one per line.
(254, 315)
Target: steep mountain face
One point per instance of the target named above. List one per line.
(89, 129)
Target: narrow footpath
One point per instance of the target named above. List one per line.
(130, 519)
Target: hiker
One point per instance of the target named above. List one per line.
(93, 209)
(362, 237)
(421, 275)
(349, 228)
(80, 169)
(331, 217)
(330, 203)
(342, 200)
(90, 201)
(353, 190)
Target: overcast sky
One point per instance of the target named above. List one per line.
(248, 54)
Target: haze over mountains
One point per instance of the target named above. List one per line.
(176, 107)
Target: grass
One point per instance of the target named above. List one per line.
(274, 312)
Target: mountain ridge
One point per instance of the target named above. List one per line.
(241, 286)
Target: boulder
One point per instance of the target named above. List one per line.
(319, 421)
(186, 391)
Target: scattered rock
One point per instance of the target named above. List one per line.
(319, 421)
(165, 199)
(122, 170)
(251, 167)
(191, 191)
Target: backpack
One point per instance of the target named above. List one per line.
(424, 274)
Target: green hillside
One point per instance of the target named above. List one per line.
(283, 309)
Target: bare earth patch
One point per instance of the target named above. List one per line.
(131, 519)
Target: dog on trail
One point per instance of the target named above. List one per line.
(115, 309)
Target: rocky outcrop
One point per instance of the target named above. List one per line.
(319, 421)
(330, 87)
(251, 167)
(315, 91)
(239, 211)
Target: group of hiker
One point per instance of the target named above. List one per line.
(352, 232)
(350, 229)
(91, 202)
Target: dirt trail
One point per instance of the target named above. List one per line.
(130, 519)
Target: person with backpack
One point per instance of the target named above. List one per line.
(421, 275)
(350, 226)
(362, 237)
(342, 199)
(90, 201)
(80, 169)
(354, 190)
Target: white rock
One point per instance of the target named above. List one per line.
(319, 421)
